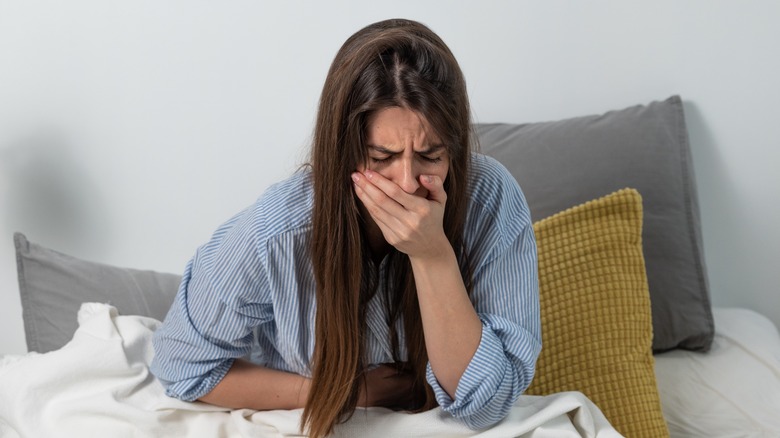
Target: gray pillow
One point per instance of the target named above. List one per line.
(53, 286)
(565, 163)
(558, 164)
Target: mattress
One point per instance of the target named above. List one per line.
(731, 391)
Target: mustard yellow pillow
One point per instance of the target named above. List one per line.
(595, 308)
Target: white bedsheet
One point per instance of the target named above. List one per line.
(731, 391)
(100, 385)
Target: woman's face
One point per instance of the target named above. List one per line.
(402, 146)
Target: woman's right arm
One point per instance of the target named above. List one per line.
(251, 386)
(223, 298)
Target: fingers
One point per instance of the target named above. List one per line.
(381, 193)
(388, 222)
(390, 189)
(435, 187)
(392, 199)
(409, 222)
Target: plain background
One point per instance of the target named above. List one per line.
(130, 130)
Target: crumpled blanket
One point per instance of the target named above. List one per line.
(99, 385)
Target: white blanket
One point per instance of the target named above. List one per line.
(99, 385)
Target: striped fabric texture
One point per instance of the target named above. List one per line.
(249, 292)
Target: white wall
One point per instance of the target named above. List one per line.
(152, 122)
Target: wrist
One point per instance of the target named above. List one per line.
(436, 257)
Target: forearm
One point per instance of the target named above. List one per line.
(451, 326)
(251, 386)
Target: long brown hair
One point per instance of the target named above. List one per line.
(390, 63)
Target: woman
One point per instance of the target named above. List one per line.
(397, 270)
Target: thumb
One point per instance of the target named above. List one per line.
(435, 187)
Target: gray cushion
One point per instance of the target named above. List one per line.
(53, 286)
(565, 163)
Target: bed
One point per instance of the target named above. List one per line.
(632, 344)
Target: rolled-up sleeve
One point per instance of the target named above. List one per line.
(221, 299)
(505, 294)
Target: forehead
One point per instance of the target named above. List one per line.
(399, 124)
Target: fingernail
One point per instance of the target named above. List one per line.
(355, 177)
(369, 174)
(428, 178)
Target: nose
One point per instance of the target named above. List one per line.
(407, 178)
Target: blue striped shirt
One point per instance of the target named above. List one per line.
(249, 292)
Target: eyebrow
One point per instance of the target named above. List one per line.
(430, 149)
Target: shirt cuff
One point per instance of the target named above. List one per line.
(191, 390)
(479, 384)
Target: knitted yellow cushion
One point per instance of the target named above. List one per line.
(595, 308)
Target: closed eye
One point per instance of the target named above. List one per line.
(433, 154)
(380, 160)
(430, 155)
